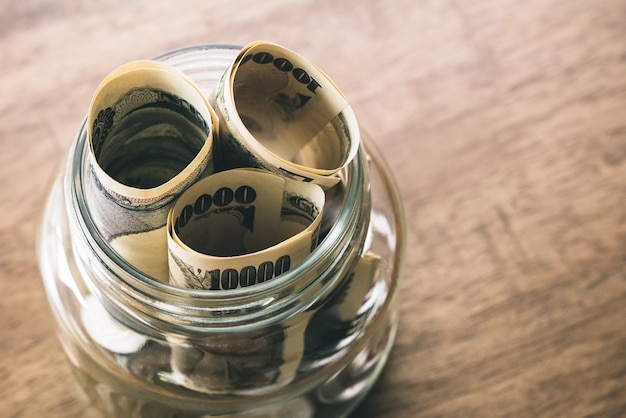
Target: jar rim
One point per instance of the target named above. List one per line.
(292, 290)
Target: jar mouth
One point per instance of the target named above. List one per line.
(293, 290)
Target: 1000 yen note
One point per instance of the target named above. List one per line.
(241, 227)
(280, 112)
(150, 136)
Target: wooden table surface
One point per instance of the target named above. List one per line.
(504, 123)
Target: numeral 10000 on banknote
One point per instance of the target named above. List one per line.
(231, 278)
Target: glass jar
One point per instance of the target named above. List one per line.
(309, 343)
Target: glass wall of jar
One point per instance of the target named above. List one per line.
(308, 343)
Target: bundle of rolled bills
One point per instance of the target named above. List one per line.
(222, 199)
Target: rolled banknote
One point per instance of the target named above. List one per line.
(248, 362)
(241, 227)
(150, 132)
(280, 112)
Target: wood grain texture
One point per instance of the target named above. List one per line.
(504, 123)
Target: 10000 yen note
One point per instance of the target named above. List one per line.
(150, 136)
(281, 113)
(240, 227)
